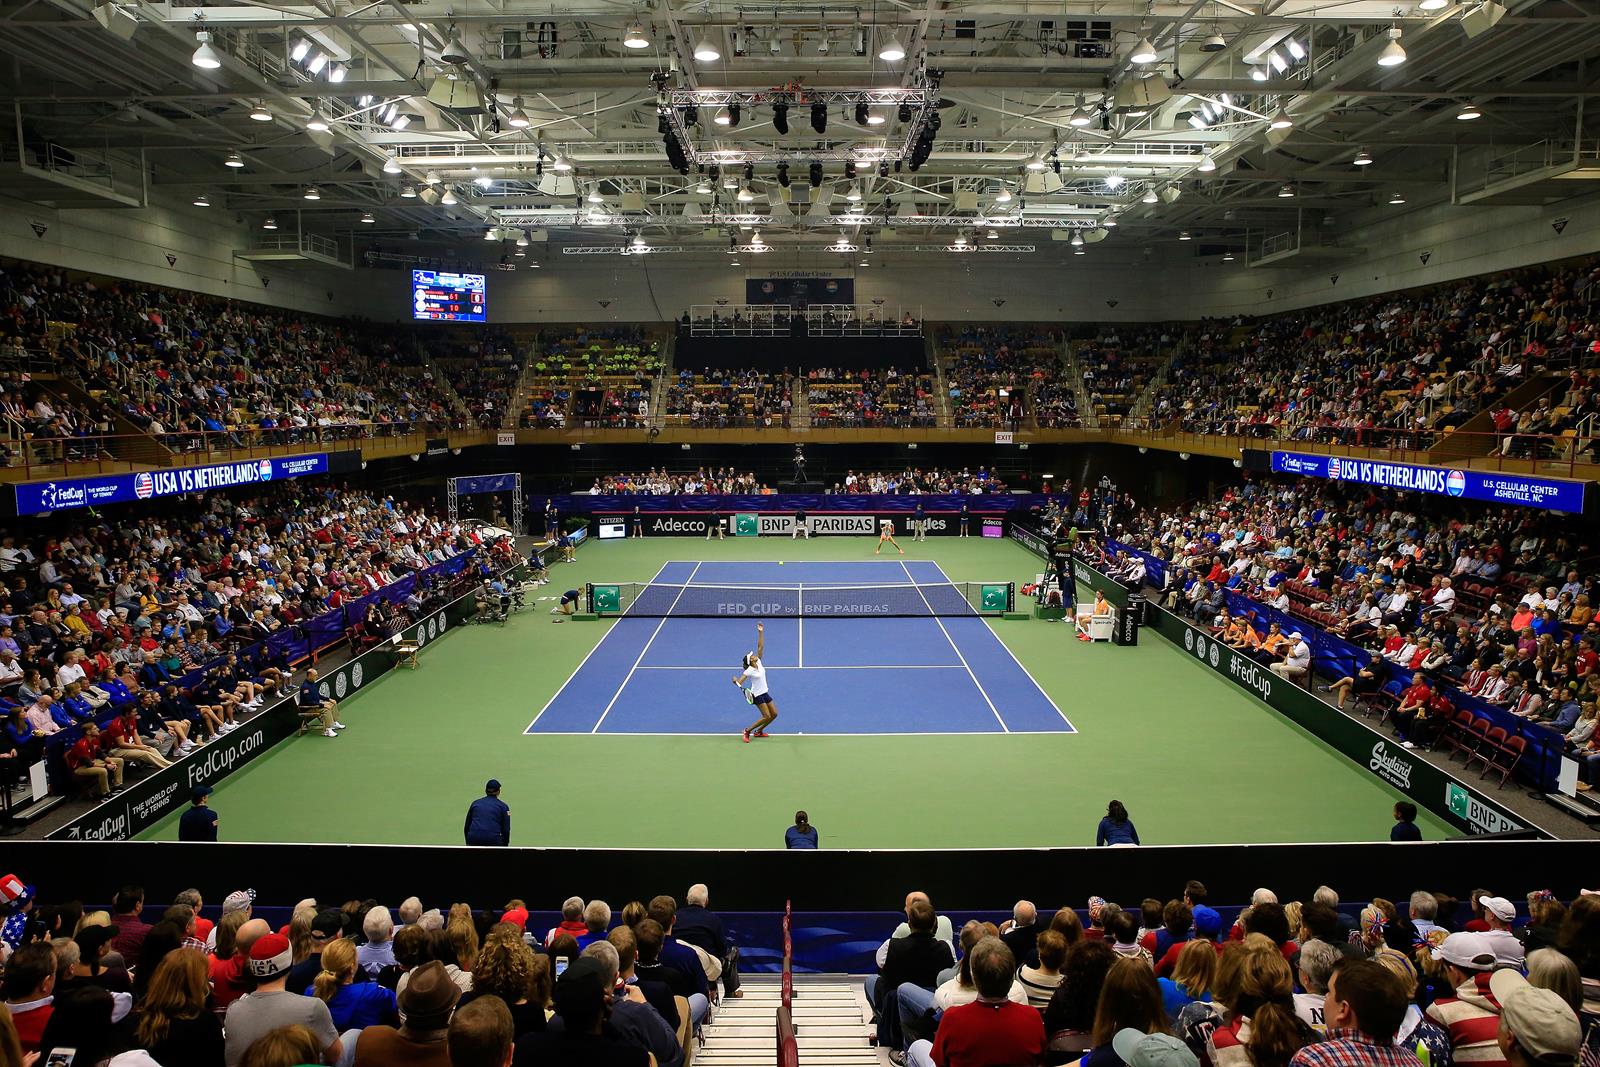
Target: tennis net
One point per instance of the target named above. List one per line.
(910, 599)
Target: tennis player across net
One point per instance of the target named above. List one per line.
(657, 600)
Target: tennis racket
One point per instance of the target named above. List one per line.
(749, 697)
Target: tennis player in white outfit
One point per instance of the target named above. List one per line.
(756, 672)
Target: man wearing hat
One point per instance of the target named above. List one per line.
(1537, 1027)
(584, 1004)
(1499, 913)
(1139, 1049)
(1296, 665)
(1365, 1006)
(1471, 1015)
(271, 1005)
(426, 1004)
(489, 818)
(18, 900)
(199, 823)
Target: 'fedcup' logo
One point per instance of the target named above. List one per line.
(144, 486)
(1455, 483)
(265, 469)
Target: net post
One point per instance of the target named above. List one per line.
(588, 597)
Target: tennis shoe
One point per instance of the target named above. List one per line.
(746, 736)
(763, 733)
(330, 733)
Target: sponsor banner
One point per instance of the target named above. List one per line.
(994, 527)
(36, 498)
(1424, 783)
(669, 525)
(1030, 539)
(610, 504)
(153, 798)
(1489, 486)
(437, 446)
(610, 527)
(755, 524)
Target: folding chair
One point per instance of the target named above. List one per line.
(1472, 737)
(1458, 733)
(1491, 742)
(1505, 758)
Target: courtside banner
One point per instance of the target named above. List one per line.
(1492, 487)
(783, 524)
(38, 498)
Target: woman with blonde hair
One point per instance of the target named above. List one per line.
(1191, 979)
(287, 1046)
(178, 1023)
(1417, 1033)
(633, 913)
(299, 934)
(463, 934)
(1555, 971)
(505, 970)
(353, 1005)
(1260, 1028)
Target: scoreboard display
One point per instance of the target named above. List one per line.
(445, 296)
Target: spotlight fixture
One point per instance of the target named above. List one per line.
(205, 57)
(1296, 50)
(367, 217)
(201, 201)
(634, 37)
(1258, 73)
(705, 51)
(1208, 163)
(1080, 115)
(336, 73)
(560, 164)
(1363, 159)
(1114, 181)
(449, 198)
(893, 51)
(746, 196)
(1277, 62)
(1468, 112)
(819, 117)
(1183, 235)
(408, 191)
(317, 123)
(312, 193)
(259, 113)
(814, 174)
(1281, 120)
(904, 113)
(1227, 257)
(733, 113)
(1144, 53)
(391, 164)
(1286, 192)
(1149, 196)
(301, 47)
(850, 169)
(723, 117)
(519, 118)
(691, 115)
(861, 114)
(1393, 54)
(783, 175)
(234, 160)
(316, 63)
(1213, 43)
(875, 118)
(269, 223)
(1397, 198)
(780, 118)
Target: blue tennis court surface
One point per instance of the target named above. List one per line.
(828, 676)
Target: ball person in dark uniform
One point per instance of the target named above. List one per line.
(488, 818)
(199, 823)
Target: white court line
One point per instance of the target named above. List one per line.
(653, 635)
(582, 661)
(1031, 678)
(809, 736)
(814, 667)
(800, 626)
(953, 647)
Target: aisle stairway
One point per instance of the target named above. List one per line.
(830, 1024)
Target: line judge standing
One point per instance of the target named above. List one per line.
(488, 818)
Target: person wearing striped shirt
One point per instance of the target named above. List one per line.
(1364, 1009)
(1040, 982)
(1471, 1015)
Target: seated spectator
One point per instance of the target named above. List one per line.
(28, 985)
(1192, 976)
(178, 1023)
(917, 958)
(1365, 1007)
(481, 1035)
(1317, 960)
(1069, 1017)
(632, 1017)
(353, 1005)
(425, 1004)
(505, 969)
(1258, 1024)
(584, 1039)
(991, 1031)
(703, 929)
(1469, 1013)
(1040, 981)
(270, 1006)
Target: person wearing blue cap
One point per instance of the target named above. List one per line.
(488, 818)
(199, 823)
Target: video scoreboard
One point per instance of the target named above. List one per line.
(446, 296)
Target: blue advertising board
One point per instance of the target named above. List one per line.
(1492, 487)
(37, 498)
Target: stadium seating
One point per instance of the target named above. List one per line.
(720, 398)
(591, 376)
(992, 369)
(870, 398)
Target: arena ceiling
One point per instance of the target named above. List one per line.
(441, 119)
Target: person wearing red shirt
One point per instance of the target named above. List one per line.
(123, 742)
(992, 1031)
(29, 987)
(87, 760)
(1413, 702)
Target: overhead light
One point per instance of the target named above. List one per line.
(561, 163)
(521, 252)
(313, 193)
(745, 195)
(1214, 43)
(730, 182)
(336, 73)
(1277, 62)
(432, 177)
(875, 118)
(318, 61)
(634, 37)
(483, 181)
(316, 123)
(269, 223)
(1393, 54)
(1197, 120)
(201, 201)
(519, 118)
(774, 45)
(961, 240)
(1208, 163)
(702, 188)
(391, 164)
(1432, 5)
(1468, 112)
(454, 52)
(408, 191)
(260, 113)
(449, 198)
(1004, 195)
(893, 51)
(234, 160)
(993, 235)
(1080, 116)
(594, 196)
(1079, 251)
(1114, 181)
(1109, 222)
(1397, 198)
(400, 122)
(1077, 238)
(1149, 196)
(522, 238)
(1040, 160)
(1144, 53)
(1258, 72)
(723, 118)
(824, 47)
(1227, 257)
(1281, 120)
(390, 113)
(301, 47)
(706, 52)
(853, 194)
(1286, 192)
(366, 217)
(1295, 49)
(1183, 235)
(205, 57)
(1363, 159)
(491, 234)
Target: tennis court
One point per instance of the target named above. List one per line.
(854, 647)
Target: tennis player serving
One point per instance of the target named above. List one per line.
(757, 694)
(886, 533)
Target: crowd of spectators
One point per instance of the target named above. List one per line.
(482, 368)
(911, 480)
(879, 397)
(722, 398)
(1431, 979)
(1396, 370)
(1117, 369)
(200, 372)
(41, 427)
(163, 616)
(1497, 604)
(665, 483)
(356, 983)
(593, 376)
(1559, 424)
(993, 368)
